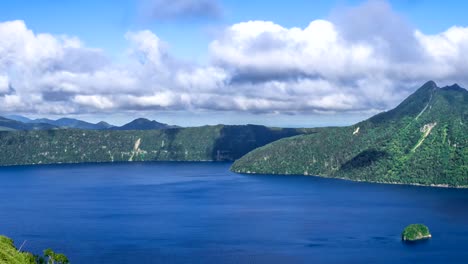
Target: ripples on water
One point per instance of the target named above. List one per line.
(202, 213)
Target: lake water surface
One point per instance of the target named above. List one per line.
(202, 213)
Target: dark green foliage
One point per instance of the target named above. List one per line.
(364, 159)
(415, 232)
(53, 257)
(207, 143)
(422, 141)
(236, 141)
(39, 259)
(61, 258)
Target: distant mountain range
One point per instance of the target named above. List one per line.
(11, 125)
(73, 123)
(18, 122)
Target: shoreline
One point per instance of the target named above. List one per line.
(110, 163)
(238, 172)
(364, 181)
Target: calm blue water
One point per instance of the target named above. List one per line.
(202, 213)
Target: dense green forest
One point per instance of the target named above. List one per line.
(422, 141)
(415, 232)
(207, 143)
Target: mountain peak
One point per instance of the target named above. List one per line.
(454, 87)
(411, 106)
(104, 124)
(425, 88)
(143, 124)
(429, 84)
(142, 119)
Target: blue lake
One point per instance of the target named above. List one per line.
(202, 213)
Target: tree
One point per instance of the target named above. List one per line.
(50, 254)
(39, 259)
(61, 258)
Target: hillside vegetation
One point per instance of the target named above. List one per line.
(208, 143)
(415, 232)
(9, 254)
(422, 141)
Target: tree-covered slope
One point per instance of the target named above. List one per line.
(208, 143)
(422, 141)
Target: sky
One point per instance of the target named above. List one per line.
(290, 63)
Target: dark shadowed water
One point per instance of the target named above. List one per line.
(202, 213)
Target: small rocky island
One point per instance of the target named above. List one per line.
(415, 232)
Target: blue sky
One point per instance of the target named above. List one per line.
(103, 23)
(198, 66)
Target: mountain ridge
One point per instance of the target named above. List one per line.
(11, 125)
(18, 122)
(65, 122)
(421, 141)
(206, 143)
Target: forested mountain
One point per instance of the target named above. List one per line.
(73, 123)
(11, 125)
(17, 122)
(207, 143)
(19, 118)
(424, 140)
(143, 124)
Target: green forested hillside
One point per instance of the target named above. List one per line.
(208, 143)
(422, 141)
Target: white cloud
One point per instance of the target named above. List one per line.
(4, 84)
(367, 57)
(271, 51)
(256, 66)
(147, 48)
(95, 101)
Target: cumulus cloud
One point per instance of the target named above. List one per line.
(330, 65)
(164, 10)
(375, 23)
(364, 57)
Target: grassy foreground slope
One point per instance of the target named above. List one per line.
(208, 143)
(422, 141)
(10, 255)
